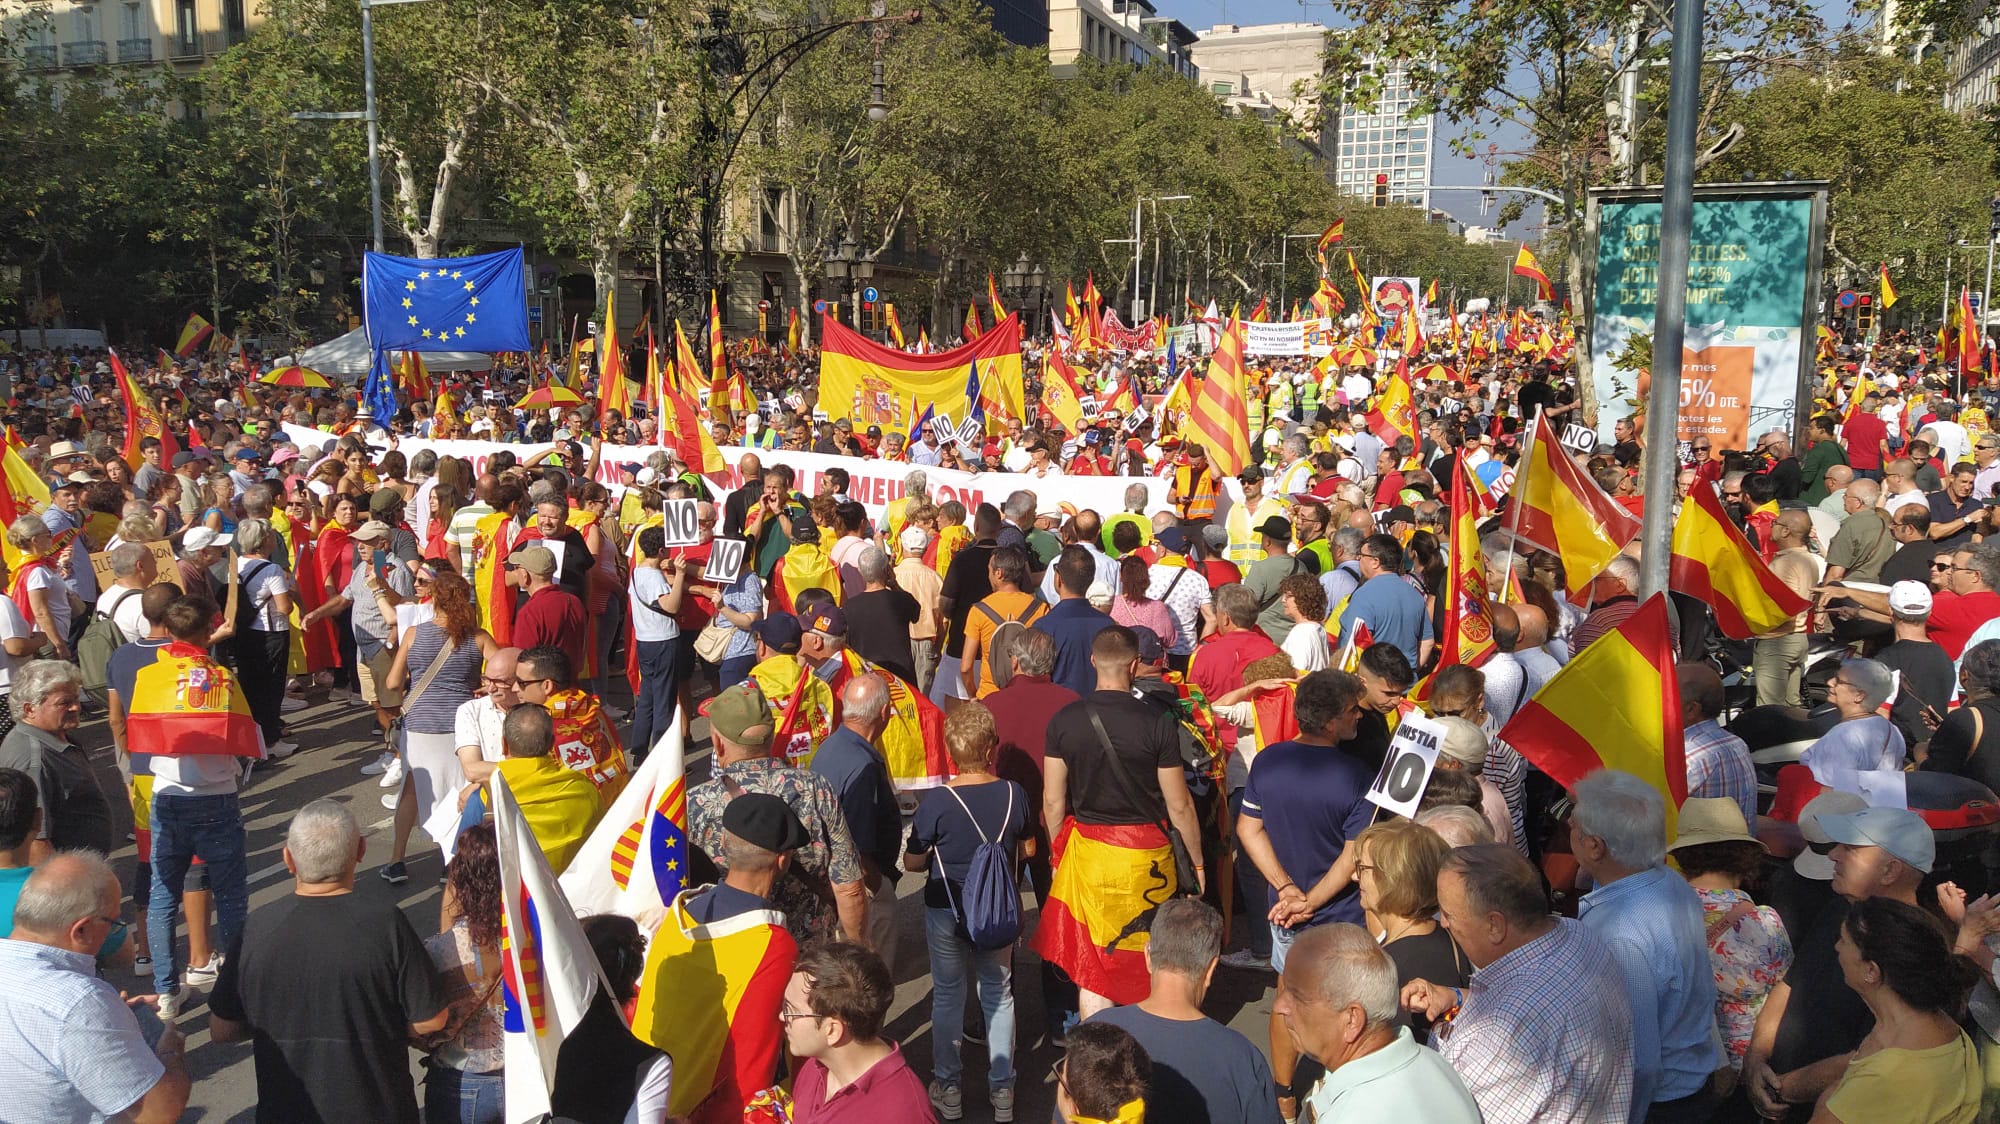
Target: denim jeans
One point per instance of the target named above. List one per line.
(184, 827)
(1251, 887)
(734, 670)
(659, 681)
(954, 961)
(453, 1096)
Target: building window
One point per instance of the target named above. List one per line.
(135, 23)
(232, 20)
(187, 36)
(86, 23)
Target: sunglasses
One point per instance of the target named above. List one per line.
(1940, 565)
(520, 683)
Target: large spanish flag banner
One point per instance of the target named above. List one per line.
(1616, 705)
(854, 369)
(1564, 512)
(184, 704)
(1221, 420)
(1109, 880)
(142, 419)
(1713, 562)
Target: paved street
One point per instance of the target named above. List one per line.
(338, 740)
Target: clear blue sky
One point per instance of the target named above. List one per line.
(1448, 166)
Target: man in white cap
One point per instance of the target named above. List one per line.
(376, 587)
(1928, 680)
(201, 548)
(922, 582)
(1813, 1021)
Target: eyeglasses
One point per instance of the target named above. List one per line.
(1940, 565)
(1965, 569)
(524, 683)
(1737, 494)
(787, 1016)
(117, 927)
(498, 680)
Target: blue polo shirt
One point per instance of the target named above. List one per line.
(1312, 799)
(1074, 624)
(1394, 612)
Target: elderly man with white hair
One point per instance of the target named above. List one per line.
(331, 984)
(1338, 999)
(1862, 740)
(1651, 919)
(851, 761)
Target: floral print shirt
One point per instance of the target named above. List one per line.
(1750, 952)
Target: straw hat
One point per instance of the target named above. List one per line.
(1712, 819)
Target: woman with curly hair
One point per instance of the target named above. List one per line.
(464, 1086)
(431, 772)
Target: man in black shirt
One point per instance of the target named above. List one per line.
(1911, 526)
(330, 986)
(1928, 674)
(965, 584)
(880, 616)
(737, 507)
(1956, 514)
(1535, 394)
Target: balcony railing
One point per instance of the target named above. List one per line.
(89, 52)
(135, 50)
(38, 57)
(187, 45)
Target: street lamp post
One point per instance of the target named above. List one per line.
(1284, 264)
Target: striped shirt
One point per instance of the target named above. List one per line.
(1718, 764)
(1545, 1035)
(70, 1050)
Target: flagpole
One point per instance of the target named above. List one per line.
(1514, 496)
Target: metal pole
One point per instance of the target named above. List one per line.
(1670, 313)
(1284, 259)
(1944, 314)
(1138, 255)
(374, 135)
(1986, 292)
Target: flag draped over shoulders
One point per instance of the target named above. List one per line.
(186, 704)
(1109, 881)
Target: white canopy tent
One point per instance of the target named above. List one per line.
(349, 356)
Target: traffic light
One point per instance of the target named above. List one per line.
(1381, 189)
(1993, 223)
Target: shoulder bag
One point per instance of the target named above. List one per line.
(416, 692)
(1186, 883)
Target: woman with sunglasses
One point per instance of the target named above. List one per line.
(432, 776)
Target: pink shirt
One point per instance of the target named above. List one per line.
(1152, 612)
(890, 1090)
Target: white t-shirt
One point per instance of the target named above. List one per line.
(478, 723)
(1305, 645)
(270, 581)
(126, 611)
(648, 623)
(1903, 499)
(13, 626)
(46, 579)
(202, 774)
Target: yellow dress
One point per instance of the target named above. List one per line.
(1941, 1085)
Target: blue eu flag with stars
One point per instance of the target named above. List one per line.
(477, 303)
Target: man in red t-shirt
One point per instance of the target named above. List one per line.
(1867, 439)
(1217, 667)
(551, 615)
(1956, 611)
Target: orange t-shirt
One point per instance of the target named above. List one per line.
(979, 630)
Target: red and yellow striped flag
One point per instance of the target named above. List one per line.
(1713, 562)
(197, 330)
(1525, 265)
(1615, 705)
(142, 419)
(1220, 419)
(1564, 512)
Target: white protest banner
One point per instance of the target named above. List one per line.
(1406, 771)
(1286, 337)
(682, 522)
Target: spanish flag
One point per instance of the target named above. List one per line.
(1713, 562)
(1468, 621)
(1888, 289)
(1369, 320)
(1863, 387)
(972, 330)
(1431, 294)
(1262, 312)
(1221, 422)
(613, 390)
(1564, 512)
(197, 330)
(142, 419)
(1334, 232)
(1525, 265)
(913, 742)
(718, 355)
(1615, 705)
(710, 998)
(1109, 881)
(792, 329)
(1395, 411)
(1969, 333)
(495, 538)
(993, 300)
(184, 704)
(851, 364)
(895, 327)
(1059, 391)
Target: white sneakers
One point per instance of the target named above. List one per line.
(282, 750)
(394, 776)
(172, 1005)
(292, 704)
(380, 765)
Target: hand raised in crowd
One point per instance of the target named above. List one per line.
(1428, 999)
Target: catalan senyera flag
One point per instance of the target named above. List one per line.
(895, 326)
(1615, 705)
(412, 376)
(1564, 512)
(1888, 289)
(184, 704)
(972, 329)
(852, 365)
(1713, 562)
(613, 389)
(1220, 420)
(683, 360)
(1525, 265)
(142, 419)
(635, 863)
(1059, 391)
(1334, 232)
(196, 331)
(548, 973)
(993, 300)
(1395, 411)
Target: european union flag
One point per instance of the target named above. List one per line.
(478, 303)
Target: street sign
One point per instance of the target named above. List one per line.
(819, 307)
(870, 295)
(763, 306)
(1848, 298)
(534, 314)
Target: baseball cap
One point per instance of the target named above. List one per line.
(1151, 650)
(1812, 863)
(1214, 536)
(1898, 831)
(647, 477)
(374, 529)
(780, 632)
(537, 560)
(914, 540)
(990, 449)
(632, 467)
(826, 619)
(1910, 599)
(1251, 474)
(1172, 540)
(1401, 513)
(284, 456)
(384, 499)
(247, 453)
(764, 820)
(187, 457)
(199, 538)
(743, 715)
(1277, 527)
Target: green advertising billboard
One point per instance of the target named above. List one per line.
(1752, 299)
